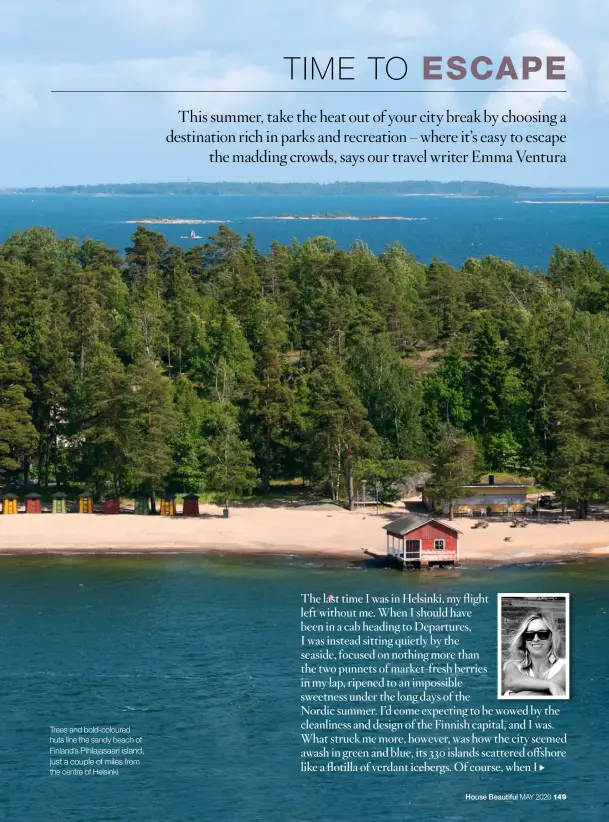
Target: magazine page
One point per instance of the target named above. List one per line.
(304, 411)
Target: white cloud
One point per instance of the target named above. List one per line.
(593, 12)
(444, 98)
(25, 90)
(245, 79)
(17, 102)
(404, 23)
(603, 81)
(391, 20)
(540, 44)
(171, 16)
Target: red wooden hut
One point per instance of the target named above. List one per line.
(190, 506)
(421, 540)
(33, 504)
(112, 504)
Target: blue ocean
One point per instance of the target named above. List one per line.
(200, 657)
(450, 228)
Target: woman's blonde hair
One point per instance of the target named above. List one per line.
(518, 648)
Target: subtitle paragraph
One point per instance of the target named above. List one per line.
(381, 137)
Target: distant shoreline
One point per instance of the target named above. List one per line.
(421, 188)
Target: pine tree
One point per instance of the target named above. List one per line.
(270, 404)
(187, 446)
(154, 425)
(100, 425)
(18, 437)
(452, 469)
(391, 394)
(227, 458)
(340, 429)
(578, 465)
(445, 397)
(444, 294)
(187, 337)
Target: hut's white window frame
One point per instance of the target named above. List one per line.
(441, 546)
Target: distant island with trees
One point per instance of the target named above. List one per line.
(464, 188)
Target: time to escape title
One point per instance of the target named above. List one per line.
(312, 72)
(396, 68)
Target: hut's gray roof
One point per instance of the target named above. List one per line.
(404, 525)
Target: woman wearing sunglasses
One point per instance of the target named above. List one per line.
(537, 666)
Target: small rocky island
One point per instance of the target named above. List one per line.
(171, 221)
(325, 216)
(335, 216)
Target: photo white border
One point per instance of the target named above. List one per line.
(567, 638)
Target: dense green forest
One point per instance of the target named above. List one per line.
(221, 369)
(470, 188)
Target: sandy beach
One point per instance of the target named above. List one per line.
(325, 531)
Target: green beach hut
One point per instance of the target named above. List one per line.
(59, 503)
(141, 505)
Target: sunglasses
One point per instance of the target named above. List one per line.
(529, 636)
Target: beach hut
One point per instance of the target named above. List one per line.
(33, 503)
(190, 506)
(59, 503)
(85, 503)
(112, 504)
(9, 504)
(168, 506)
(421, 540)
(141, 505)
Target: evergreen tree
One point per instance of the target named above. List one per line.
(154, 425)
(187, 446)
(228, 459)
(100, 425)
(391, 394)
(445, 397)
(444, 295)
(270, 404)
(18, 437)
(340, 428)
(578, 466)
(452, 469)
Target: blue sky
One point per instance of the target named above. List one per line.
(51, 139)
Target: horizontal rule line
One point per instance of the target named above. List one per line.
(304, 91)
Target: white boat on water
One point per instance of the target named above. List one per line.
(192, 236)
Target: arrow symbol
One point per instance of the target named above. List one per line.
(541, 767)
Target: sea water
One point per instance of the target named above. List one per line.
(200, 657)
(451, 228)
